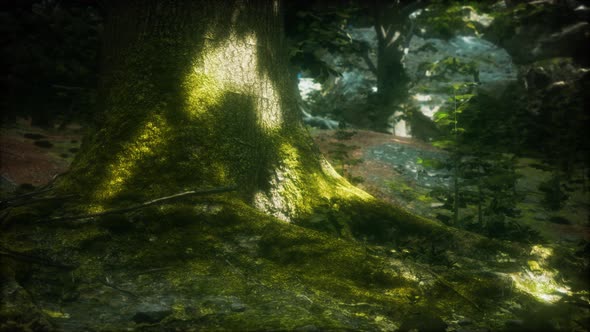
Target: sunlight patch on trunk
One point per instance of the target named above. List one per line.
(232, 65)
(145, 145)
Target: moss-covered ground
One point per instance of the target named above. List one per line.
(217, 264)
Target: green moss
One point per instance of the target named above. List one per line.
(220, 254)
(201, 142)
(21, 215)
(80, 238)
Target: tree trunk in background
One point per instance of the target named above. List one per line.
(197, 94)
(393, 36)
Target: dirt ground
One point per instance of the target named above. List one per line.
(31, 155)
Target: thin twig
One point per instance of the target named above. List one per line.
(149, 203)
(30, 194)
(46, 188)
(37, 200)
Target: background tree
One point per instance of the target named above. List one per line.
(394, 30)
(482, 174)
(319, 26)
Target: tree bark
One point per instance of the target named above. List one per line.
(197, 94)
(393, 36)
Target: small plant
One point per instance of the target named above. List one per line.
(341, 156)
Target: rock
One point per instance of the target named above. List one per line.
(404, 159)
(151, 313)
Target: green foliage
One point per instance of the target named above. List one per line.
(310, 31)
(448, 65)
(445, 19)
(449, 116)
(341, 155)
(430, 163)
(402, 189)
(481, 195)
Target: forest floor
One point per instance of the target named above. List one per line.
(387, 167)
(33, 155)
(213, 271)
(384, 165)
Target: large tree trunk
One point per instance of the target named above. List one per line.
(198, 94)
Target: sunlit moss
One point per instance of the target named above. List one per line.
(542, 252)
(144, 145)
(179, 311)
(56, 314)
(202, 92)
(538, 279)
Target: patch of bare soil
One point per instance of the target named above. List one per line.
(374, 174)
(31, 155)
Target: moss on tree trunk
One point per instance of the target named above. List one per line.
(198, 94)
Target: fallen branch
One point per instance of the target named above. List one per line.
(9, 201)
(149, 203)
(27, 195)
(37, 200)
